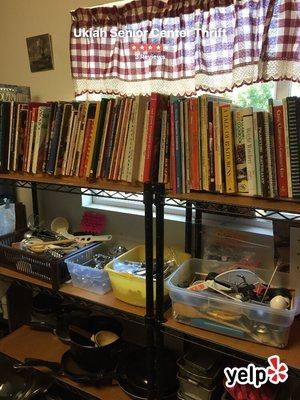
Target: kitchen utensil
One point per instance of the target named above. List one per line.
(60, 225)
(43, 246)
(270, 281)
(100, 339)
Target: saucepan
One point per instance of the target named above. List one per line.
(90, 352)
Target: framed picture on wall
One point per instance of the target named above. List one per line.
(40, 52)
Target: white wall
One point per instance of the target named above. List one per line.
(21, 19)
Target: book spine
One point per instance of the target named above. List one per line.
(280, 151)
(55, 140)
(150, 138)
(86, 147)
(26, 140)
(11, 147)
(182, 146)
(287, 148)
(40, 117)
(129, 155)
(262, 154)
(249, 146)
(44, 131)
(173, 168)
(31, 141)
(16, 143)
(272, 172)
(177, 147)
(66, 155)
(194, 146)
(211, 163)
(187, 146)
(144, 144)
(163, 141)
(268, 153)
(257, 155)
(228, 145)
(240, 153)
(166, 177)
(218, 148)
(204, 144)
(294, 145)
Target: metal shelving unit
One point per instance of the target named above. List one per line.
(156, 196)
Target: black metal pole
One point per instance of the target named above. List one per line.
(159, 311)
(35, 203)
(148, 201)
(160, 240)
(149, 319)
(198, 231)
(188, 227)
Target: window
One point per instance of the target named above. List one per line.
(255, 95)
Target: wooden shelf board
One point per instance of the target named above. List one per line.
(290, 355)
(26, 342)
(107, 299)
(73, 181)
(284, 205)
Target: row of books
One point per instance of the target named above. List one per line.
(14, 93)
(191, 144)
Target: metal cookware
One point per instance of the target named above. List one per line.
(86, 353)
(21, 385)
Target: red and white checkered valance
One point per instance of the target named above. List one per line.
(175, 47)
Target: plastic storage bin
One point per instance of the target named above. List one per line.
(213, 312)
(92, 279)
(131, 288)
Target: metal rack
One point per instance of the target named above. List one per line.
(156, 196)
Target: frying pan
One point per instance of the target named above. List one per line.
(21, 385)
(132, 372)
(69, 368)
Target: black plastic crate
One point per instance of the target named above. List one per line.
(42, 267)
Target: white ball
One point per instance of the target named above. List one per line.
(279, 302)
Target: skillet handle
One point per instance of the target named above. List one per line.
(35, 362)
(42, 326)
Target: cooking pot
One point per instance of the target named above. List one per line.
(86, 352)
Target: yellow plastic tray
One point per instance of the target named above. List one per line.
(131, 288)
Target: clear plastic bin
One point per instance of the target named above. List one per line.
(92, 279)
(210, 311)
(131, 288)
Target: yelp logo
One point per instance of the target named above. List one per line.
(276, 372)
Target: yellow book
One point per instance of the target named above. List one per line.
(228, 143)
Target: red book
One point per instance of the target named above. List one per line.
(172, 150)
(280, 151)
(194, 145)
(150, 138)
